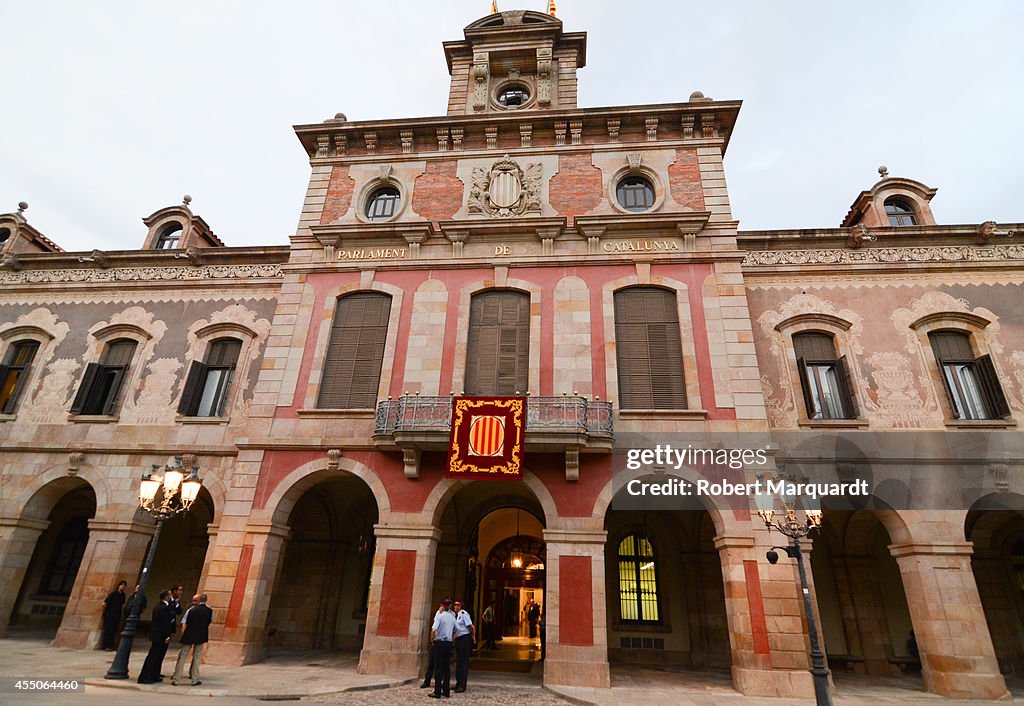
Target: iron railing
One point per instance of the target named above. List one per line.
(415, 413)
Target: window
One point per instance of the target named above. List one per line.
(14, 373)
(383, 204)
(169, 238)
(514, 96)
(5, 233)
(66, 558)
(638, 581)
(900, 213)
(825, 380)
(498, 349)
(208, 384)
(355, 353)
(102, 381)
(971, 383)
(635, 194)
(648, 349)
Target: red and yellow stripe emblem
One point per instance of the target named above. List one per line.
(486, 435)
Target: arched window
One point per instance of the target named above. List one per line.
(514, 96)
(383, 203)
(1017, 560)
(170, 237)
(351, 374)
(66, 558)
(5, 233)
(102, 381)
(900, 212)
(209, 383)
(498, 349)
(638, 580)
(14, 373)
(648, 349)
(825, 379)
(635, 193)
(971, 383)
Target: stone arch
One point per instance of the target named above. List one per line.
(445, 490)
(721, 516)
(288, 491)
(37, 499)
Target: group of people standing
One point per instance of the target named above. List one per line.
(195, 630)
(452, 629)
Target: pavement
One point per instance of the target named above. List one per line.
(330, 677)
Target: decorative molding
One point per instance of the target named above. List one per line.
(340, 145)
(613, 128)
(481, 73)
(560, 133)
(651, 126)
(576, 131)
(406, 137)
(144, 274)
(75, 462)
(938, 253)
(333, 459)
(686, 123)
(457, 133)
(371, 142)
(544, 77)
(442, 139)
(526, 134)
(491, 135)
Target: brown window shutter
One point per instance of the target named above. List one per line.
(846, 388)
(648, 349)
(950, 347)
(193, 384)
(355, 353)
(498, 346)
(814, 347)
(805, 386)
(224, 353)
(994, 395)
(84, 390)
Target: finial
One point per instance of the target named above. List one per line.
(186, 199)
(341, 116)
(883, 171)
(22, 206)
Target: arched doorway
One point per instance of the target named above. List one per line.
(861, 601)
(181, 552)
(664, 587)
(492, 553)
(323, 581)
(995, 526)
(57, 556)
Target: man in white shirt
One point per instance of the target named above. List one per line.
(465, 636)
(441, 634)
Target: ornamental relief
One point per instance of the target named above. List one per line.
(946, 253)
(506, 189)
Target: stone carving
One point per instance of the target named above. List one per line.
(333, 459)
(50, 404)
(1000, 473)
(942, 253)
(988, 230)
(75, 462)
(141, 274)
(781, 411)
(11, 262)
(859, 235)
(898, 404)
(44, 320)
(481, 73)
(155, 404)
(506, 189)
(544, 77)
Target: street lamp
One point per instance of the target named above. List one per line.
(163, 497)
(791, 526)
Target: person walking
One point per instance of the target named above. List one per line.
(465, 636)
(532, 617)
(489, 627)
(195, 633)
(113, 607)
(160, 631)
(430, 659)
(441, 635)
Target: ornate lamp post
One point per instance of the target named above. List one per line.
(163, 498)
(791, 526)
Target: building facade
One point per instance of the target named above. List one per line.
(587, 258)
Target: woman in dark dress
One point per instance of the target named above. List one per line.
(113, 606)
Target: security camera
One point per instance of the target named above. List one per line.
(773, 557)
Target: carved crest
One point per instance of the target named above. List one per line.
(505, 189)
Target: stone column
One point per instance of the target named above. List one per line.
(575, 612)
(764, 607)
(242, 570)
(18, 538)
(957, 657)
(399, 612)
(116, 551)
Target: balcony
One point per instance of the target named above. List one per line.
(413, 424)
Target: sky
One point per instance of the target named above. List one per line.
(112, 110)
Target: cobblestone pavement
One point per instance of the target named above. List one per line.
(479, 693)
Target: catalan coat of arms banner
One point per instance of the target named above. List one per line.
(487, 438)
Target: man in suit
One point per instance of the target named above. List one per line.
(195, 634)
(160, 631)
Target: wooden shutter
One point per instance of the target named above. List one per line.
(498, 346)
(224, 353)
(9, 402)
(649, 349)
(355, 353)
(993, 391)
(951, 347)
(846, 388)
(193, 386)
(115, 376)
(84, 390)
(805, 386)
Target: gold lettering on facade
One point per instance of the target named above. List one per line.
(373, 254)
(502, 249)
(642, 246)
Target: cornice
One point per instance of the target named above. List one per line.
(832, 257)
(203, 275)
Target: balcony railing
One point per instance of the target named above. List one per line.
(565, 415)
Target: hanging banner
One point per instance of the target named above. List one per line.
(487, 438)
